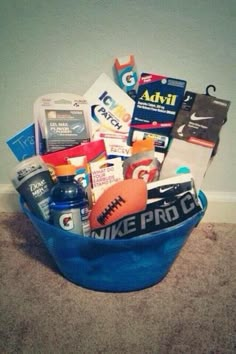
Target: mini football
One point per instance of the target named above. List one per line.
(120, 199)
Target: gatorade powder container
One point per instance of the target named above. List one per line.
(32, 179)
(69, 204)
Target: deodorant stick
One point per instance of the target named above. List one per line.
(31, 178)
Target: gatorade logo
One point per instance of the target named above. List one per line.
(66, 221)
(129, 78)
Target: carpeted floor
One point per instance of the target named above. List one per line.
(192, 311)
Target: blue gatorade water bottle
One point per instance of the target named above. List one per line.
(69, 205)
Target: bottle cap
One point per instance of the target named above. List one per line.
(143, 145)
(65, 170)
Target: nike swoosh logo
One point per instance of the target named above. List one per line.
(163, 190)
(188, 98)
(165, 203)
(194, 118)
(180, 130)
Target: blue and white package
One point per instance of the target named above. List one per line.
(111, 112)
(22, 144)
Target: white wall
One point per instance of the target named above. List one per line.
(63, 45)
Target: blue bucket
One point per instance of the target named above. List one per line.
(116, 265)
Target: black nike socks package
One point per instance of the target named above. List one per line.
(200, 119)
(195, 132)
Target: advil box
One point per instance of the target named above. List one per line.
(158, 101)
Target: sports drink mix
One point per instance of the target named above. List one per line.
(69, 206)
(32, 180)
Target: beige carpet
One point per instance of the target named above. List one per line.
(193, 310)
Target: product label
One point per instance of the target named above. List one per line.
(65, 128)
(44, 207)
(154, 218)
(26, 171)
(38, 188)
(84, 214)
(61, 121)
(158, 101)
(111, 111)
(36, 192)
(200, 119)
(160, 141)
(66, 221)
(104, 174)
(22, 144)
(74, 220)
(107, 120)
(127, 75)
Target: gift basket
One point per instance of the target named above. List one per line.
(112, 181)
(116, 265)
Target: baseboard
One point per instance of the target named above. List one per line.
(9, 199)
(221, 205)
